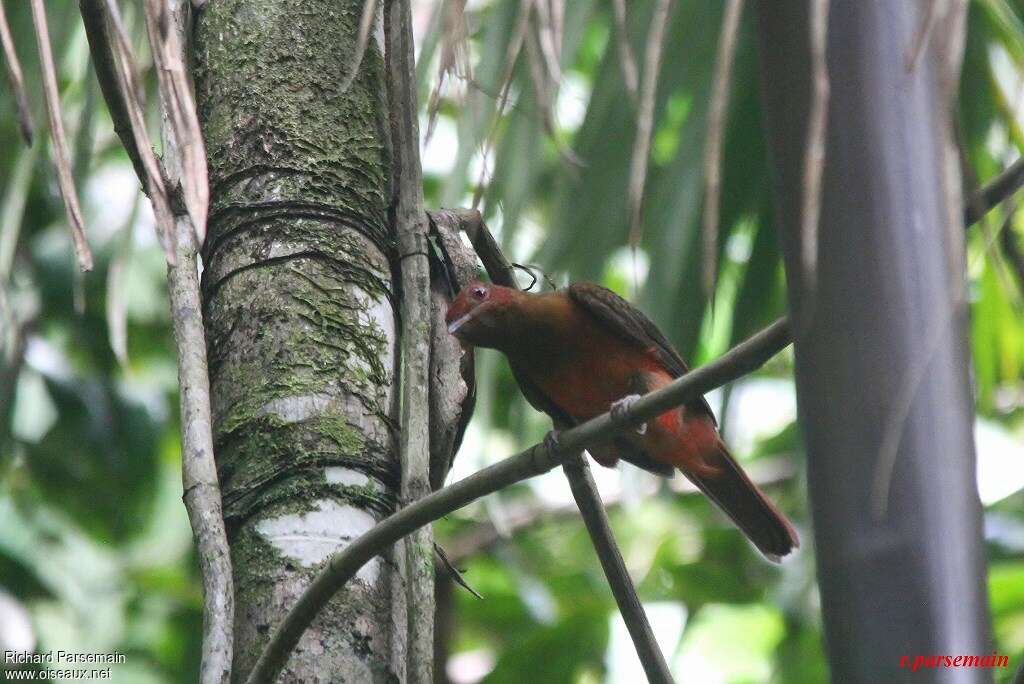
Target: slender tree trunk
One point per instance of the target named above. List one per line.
(880, 342)
(300, 315)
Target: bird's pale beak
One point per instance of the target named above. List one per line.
(458, 323)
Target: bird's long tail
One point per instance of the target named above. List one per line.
(725, 483)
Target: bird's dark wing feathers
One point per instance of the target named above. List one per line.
(540, 401)
(629, 323)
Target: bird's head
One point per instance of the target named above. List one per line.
(476, 314)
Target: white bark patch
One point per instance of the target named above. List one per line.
(297, 409)
(346, 476)
(312, 537)
(378, 312)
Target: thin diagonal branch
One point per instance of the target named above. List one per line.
(541, 86)
(486, 247)
(123, 93)
(923, 33)
(545, 90)
(627, 60)
(12, 208)
(645, 116)
(15, 78)
(515, 46)
(411, 230)
(538, 459)
(97, 32)
(584, 491)
(454, 59)
(178, 101)
(995, 192)
(548, 40)
(454, 572)
(814, 150)
(61, 156)
(556, 9)
(713, 147)
(362, 40)
(969, 179)
(121, 34)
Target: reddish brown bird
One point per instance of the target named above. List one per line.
(582, 351)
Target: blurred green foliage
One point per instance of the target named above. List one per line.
(95, 545)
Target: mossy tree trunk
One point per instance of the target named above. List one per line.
(299, 306)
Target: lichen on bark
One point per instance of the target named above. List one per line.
(300, 318)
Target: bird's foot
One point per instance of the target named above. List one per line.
(620, 412)
(551, 441)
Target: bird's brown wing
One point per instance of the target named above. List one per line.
(618, 448)
(631, 325)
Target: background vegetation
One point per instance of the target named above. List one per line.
(95, 549)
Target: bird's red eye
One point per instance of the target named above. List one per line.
(479, 292)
